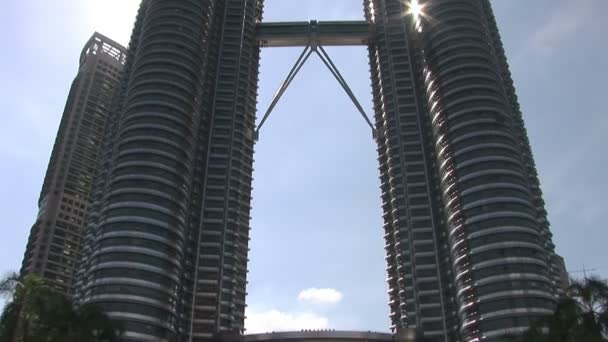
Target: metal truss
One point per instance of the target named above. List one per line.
(324, 56)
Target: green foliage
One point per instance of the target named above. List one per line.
(8, 284)
(582, 316)
(36, 313)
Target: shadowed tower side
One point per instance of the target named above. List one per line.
(53, 246)
(166, 248)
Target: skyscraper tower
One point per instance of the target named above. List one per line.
(166, 246)
(52, 249)
(469, 251)
(468, 246)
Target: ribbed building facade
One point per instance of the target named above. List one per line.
(469, 252)
(53, 245)
(165, 250)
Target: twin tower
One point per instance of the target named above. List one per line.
(468, 248)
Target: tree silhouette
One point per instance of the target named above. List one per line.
(36, 313)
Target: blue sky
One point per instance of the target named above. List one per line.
(317, 258)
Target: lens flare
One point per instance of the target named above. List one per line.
(415, 8)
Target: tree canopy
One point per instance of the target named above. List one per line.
(581, 316)
(36, 313)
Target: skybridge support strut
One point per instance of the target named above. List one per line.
(277, 95)
(324, 56)
(334, 71)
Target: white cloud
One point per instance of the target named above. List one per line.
(320, 296)
(275, 320)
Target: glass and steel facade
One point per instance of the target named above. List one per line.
(52, 249)
(469, 252)
(165, 249)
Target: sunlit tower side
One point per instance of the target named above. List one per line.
(494, 252)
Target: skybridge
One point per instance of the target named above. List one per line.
(314, 36)
(324, 33)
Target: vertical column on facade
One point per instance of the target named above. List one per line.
(211, 26)
(381, 127)
(221, 261)
(136, 242)
(415, 289)
(498, 252)
(527, 156)
(446, 275)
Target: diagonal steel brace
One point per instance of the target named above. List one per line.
(277, 96)
(334, 71)
(294, 71)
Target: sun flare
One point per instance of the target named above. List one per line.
(415, 8)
